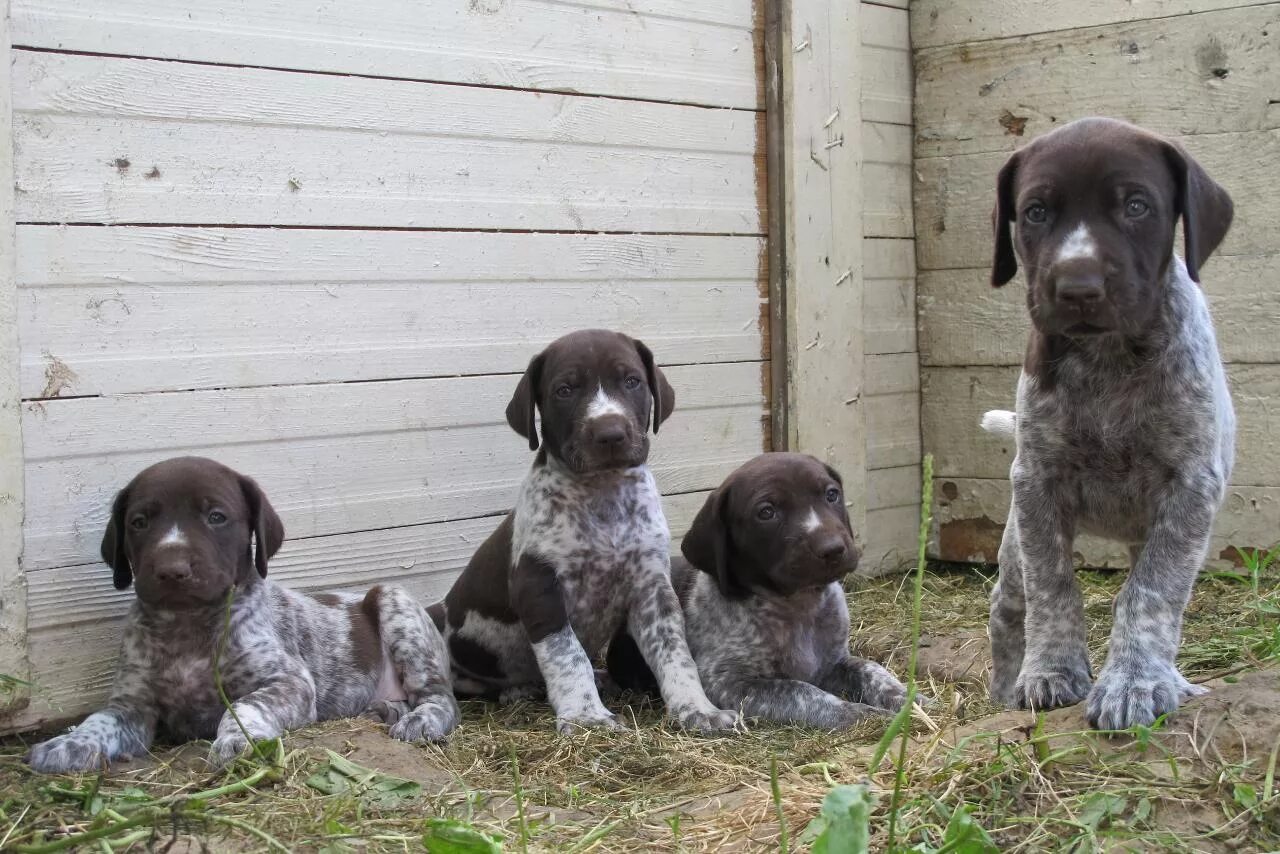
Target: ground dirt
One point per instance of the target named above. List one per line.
(1198, 782)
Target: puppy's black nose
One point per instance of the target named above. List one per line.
(609, 435)
(174, 571)
(1080, 289)
(831, 548)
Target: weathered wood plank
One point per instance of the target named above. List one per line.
(1208, 73)
(132, 309)
(77, 614)
(886, 172)
(955, 398)
(346, 457)
(247, 146)
(970, 516)
(890, 540)
(889, 303)
(13, 589)
(893, 430)
(954, 196)
(944, 22)
(823, 226)
(892, 373)
(895, 487)
(701, 52)
(885, 64)
(965, 321)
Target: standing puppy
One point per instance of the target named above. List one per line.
(188, 531)
(764, 610)
(585, 551)
(1124, 424)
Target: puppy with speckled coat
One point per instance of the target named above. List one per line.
(188, 531)
(765, 612)
(1124, 425)
(584, 556)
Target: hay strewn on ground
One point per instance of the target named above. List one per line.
(1203, 782)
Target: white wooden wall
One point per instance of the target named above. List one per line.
(889, 316)
(991, 76)
(319, 243)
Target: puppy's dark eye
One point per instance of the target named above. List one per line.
(631, 383)
(766, 512)
(1135, 208)
(563, 392)
(138, 523)
(217, 517)
(833, 495)
(1035, 213)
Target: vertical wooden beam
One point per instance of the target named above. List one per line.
(817, 88)
(14, 663)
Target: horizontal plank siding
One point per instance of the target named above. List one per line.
(1210, 73)
(76, 614)
(347, 457)
(965, 321)
(113, 310)
(700, 51)
(955, 398)
(885, 63)
(247, 146)
(971, 512)
(954, 196)
(889, 302)
(945, 22)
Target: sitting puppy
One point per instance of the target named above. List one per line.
(764, 610)
(585, 551)
(1124, 425)
(188, 531)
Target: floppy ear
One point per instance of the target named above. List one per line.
(523, 405)
(1204, 205)
(664, 396)
(1004, 263)
(268, 530)
(706, 546)
(113, 553)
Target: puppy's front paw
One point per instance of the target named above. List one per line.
(850, 714)
(67, 753)
(570, 724)
(431, 721)
(891, 694)
(227, 747)
(1062, 684)
(1126, 697)
(707, 721)
(386, 711)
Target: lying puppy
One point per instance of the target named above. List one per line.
(764, 610)
(188, 531)
(1124, 423)
(585, 551)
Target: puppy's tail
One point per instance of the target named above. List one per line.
(1001, 422)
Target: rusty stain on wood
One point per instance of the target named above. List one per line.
(976, 539)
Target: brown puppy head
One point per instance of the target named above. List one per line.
(1095, 204)
(184, 530)
(594, 390)
(777, 524)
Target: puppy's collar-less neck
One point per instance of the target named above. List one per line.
(557, 466)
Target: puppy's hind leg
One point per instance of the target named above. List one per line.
(1007, 625)
(421, 662)
(866, 682)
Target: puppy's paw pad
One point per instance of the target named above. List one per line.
(578, 723)
(65, 754)
(432, 721)
(227, 747)
(1120, 701)
(386, 711)
(716, 720)
(1049, 689)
